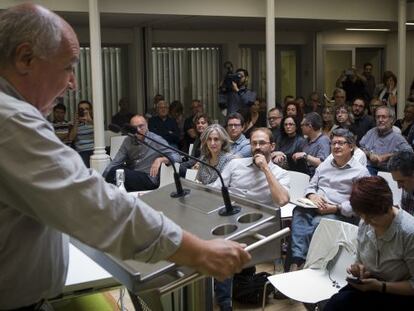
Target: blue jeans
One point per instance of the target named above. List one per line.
(223, 293)
(304, 223)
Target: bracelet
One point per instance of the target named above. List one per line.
(384, 287)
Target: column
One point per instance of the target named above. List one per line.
(402, 51)
(99, 159)
(270, 54)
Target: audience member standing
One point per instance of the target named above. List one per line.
(353, 83)
(369, 80)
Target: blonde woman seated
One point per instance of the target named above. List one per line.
(215, 147)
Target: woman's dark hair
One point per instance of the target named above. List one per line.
(348, 110)
(371, 196)
(283, 133)
(389, 74)
(299, 112)
(201, 115)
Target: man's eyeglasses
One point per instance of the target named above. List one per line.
(234, 125)
(339, 143)
(261, 143)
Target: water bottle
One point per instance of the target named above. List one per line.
(120, 179)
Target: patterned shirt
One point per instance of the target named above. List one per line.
(206, 175)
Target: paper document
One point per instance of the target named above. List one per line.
(304, 202)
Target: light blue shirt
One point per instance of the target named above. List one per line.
(241, 147)
(335, 183)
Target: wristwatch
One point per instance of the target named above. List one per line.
(305, 156)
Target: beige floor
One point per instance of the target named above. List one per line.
(272, 305)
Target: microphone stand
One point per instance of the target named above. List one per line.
(180, 191)
(228, 209)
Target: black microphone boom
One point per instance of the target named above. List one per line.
(228, 209)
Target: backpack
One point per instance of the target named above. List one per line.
(248, 286)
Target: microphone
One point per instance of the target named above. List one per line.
(228, 208)
(178, 186)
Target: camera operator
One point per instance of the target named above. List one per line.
(234, 96)
(354, 85)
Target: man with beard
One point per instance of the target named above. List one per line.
(362, 122)
(329, 189)
(257, 178)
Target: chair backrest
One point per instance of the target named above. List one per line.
(298, 183)
(327, 239)
(166, 175)
(107, 135)
(116, 142)
(191, 174)
(396, 192)
(190, 148)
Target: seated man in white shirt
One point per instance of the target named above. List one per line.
(258, 178)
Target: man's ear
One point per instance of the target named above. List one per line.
(23, 58)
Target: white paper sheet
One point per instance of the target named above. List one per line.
(308, 285)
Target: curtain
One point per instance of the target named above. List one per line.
(112, 82)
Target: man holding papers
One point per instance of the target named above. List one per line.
(329, 190)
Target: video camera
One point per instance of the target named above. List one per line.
(229, 79)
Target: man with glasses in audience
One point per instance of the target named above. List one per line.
(274, 117)
(140, 163)
(401, 166)
(381, 142)
(240, 147)
(316, 148)
(258, 178)
(329, 190)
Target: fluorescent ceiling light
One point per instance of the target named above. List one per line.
(409, 23)
(367, 29)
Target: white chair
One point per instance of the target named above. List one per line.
(166, 175)
(108, 135)
(116, 142)
(396, 192)
(191, 174)
(298, 183)
(331, 251)
(190, 148)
